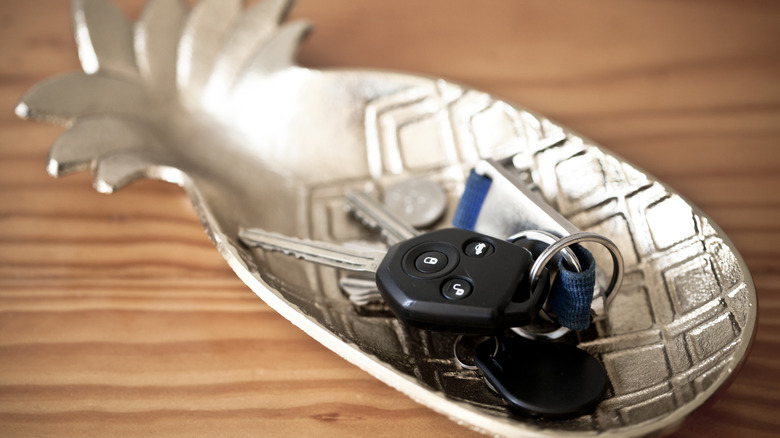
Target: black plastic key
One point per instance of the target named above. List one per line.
(542, 378)
(460, 281)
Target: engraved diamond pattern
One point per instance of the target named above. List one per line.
(679, 309)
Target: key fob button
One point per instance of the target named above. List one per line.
(430, 262)
(478, 248)
(456, 289)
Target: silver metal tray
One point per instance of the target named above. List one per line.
(210, 98)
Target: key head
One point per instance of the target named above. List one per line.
(460, 281)
(541, 378)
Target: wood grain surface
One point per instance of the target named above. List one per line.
(119, 318)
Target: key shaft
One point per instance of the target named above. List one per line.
(360, 291)
(375, 215)
(324, 253)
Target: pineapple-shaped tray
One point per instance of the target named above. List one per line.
(210, 98)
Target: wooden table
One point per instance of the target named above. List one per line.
(118, 317)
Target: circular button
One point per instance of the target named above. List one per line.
(478, 248)
(456, 289)
(414, 260)
(430, 262)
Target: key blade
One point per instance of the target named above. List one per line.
(359, 287)
(375, 215)
(324, 253)
(361, 291)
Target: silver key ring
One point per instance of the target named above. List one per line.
(572, 239)
(571, 258)
(460, 363)
(549, 239)
(562, 245)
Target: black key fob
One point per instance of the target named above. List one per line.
(542, 378)
(461, 281)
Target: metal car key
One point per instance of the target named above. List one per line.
(360, 290)
(375, 215)
(447, 280)
(324, 253)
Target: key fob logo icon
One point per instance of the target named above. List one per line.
(458, 288)
(430, 262)
(478, 249)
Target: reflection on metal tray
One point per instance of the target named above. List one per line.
(210, 98)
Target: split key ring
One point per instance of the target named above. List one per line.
(562, 246)
(564, 243)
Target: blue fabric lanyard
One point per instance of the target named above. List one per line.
(571, 294)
